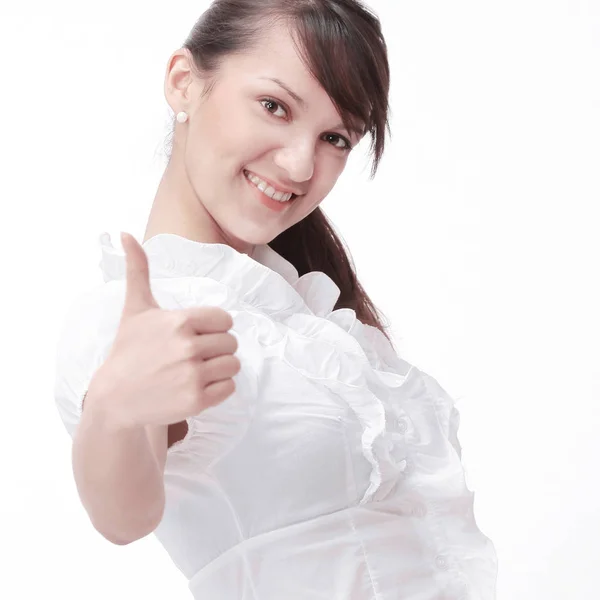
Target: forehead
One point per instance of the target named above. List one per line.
(275, 55)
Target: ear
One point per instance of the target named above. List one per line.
(182, 85)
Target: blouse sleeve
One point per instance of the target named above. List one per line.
(447, 412)
(85, 338)
(89, 329)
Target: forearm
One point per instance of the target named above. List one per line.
(117, 477)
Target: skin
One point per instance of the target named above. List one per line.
(204, 194)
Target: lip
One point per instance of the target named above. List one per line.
(276, 186)
(266, 201)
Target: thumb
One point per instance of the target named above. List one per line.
(138, 295)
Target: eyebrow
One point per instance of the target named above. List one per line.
(359, 132)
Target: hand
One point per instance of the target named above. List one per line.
(164, 365)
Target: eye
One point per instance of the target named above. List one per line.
(334, 139)
(271, 104)
(274, 106)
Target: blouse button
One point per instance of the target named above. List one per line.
(402, 426)
(441, 563)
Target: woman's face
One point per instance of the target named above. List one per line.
(251, 125)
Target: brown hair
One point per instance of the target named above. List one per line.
(342, 45)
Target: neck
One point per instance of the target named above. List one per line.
(176, 209)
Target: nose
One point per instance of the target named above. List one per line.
(297, 160)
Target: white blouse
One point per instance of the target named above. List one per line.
(333, 472)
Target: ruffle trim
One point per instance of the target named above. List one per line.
(332, 347)
(266, 281)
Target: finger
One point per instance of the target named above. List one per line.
(219, 391)
(221, 367)
(138, 294)
(208, 319)
(211, 345)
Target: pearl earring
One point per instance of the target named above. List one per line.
(182, 117)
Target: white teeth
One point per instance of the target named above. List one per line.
(266, 189)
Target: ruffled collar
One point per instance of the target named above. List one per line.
(171, 256)
(267, 282)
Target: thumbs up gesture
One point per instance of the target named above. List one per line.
(164, 365)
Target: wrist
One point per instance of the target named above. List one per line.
(100, 406)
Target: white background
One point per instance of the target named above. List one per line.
(479, 240)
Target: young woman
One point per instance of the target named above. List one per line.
(242, 400)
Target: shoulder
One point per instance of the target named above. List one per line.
(91, 313)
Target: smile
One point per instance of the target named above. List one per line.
(268, 190)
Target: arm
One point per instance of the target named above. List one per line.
(118, 476)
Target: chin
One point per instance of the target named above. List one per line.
(255, 236)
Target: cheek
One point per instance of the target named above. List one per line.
(328, 169)
(326, 174)
(218, 123)
(238, 137)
